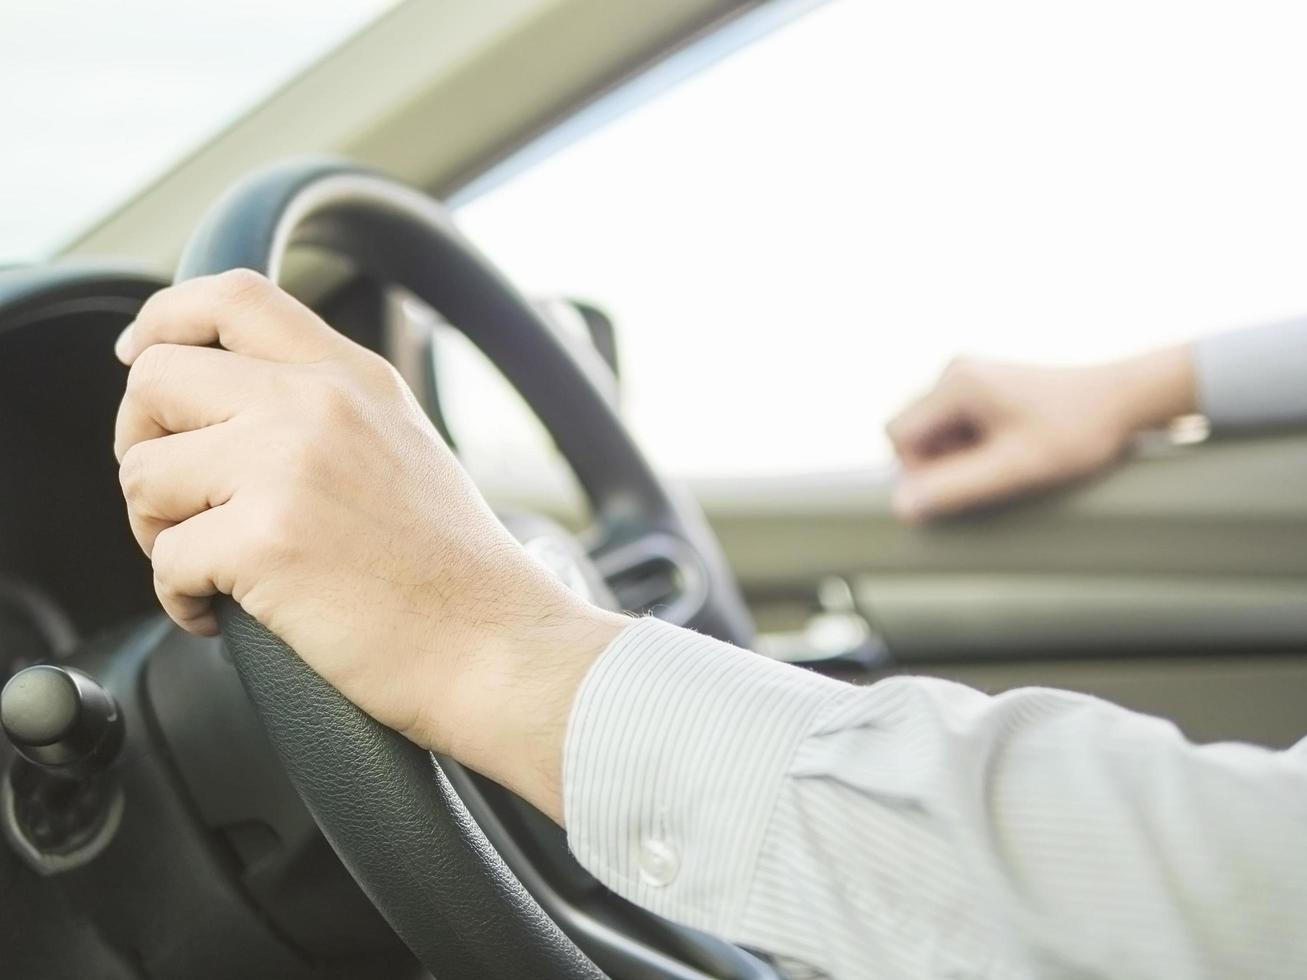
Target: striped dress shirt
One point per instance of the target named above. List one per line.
(916, 828)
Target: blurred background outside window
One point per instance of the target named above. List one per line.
(794, 240)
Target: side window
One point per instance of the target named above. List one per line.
(795, 239)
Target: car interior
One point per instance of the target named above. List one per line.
(226, 813)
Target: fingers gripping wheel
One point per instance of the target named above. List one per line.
(384, 804)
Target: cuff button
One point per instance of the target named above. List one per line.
(659, 863)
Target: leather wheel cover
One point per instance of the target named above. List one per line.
(383, 803)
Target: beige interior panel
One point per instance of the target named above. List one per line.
(1194, 550)
(1227, 508)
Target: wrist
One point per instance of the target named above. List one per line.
(507, 715)
(1153, 389)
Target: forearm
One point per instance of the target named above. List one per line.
(916, 826)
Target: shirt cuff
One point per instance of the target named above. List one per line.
(1254, 378)
(676, 749)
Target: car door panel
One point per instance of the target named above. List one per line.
(1176, 584)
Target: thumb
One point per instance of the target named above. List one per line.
(967, 477)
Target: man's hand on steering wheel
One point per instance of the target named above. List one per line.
(293, 470)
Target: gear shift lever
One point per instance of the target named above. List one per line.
(58, 801)
(61, 721)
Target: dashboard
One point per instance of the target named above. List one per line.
(33, 628)
(66, 551)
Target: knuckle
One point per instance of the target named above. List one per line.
(270, 528)
(153, 301)
(143, 323)
(333, 403)
(243, 285)
(968, 378)
(131, 472)
(164, 556)
(162, 590)
(151, 368)
(380, 372)
(300, 460)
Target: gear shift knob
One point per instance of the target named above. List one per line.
(61, 720)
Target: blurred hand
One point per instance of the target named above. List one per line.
(988, 431)
(294, 471)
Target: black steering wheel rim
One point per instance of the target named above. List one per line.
(387, 808)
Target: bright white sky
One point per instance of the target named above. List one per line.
(97, 97)
(796, 239)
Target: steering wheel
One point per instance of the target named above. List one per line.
(389, 809)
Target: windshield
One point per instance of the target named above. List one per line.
(98, 99)
(794, 239)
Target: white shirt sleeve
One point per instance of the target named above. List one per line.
(918, 828)
(1254, 378)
